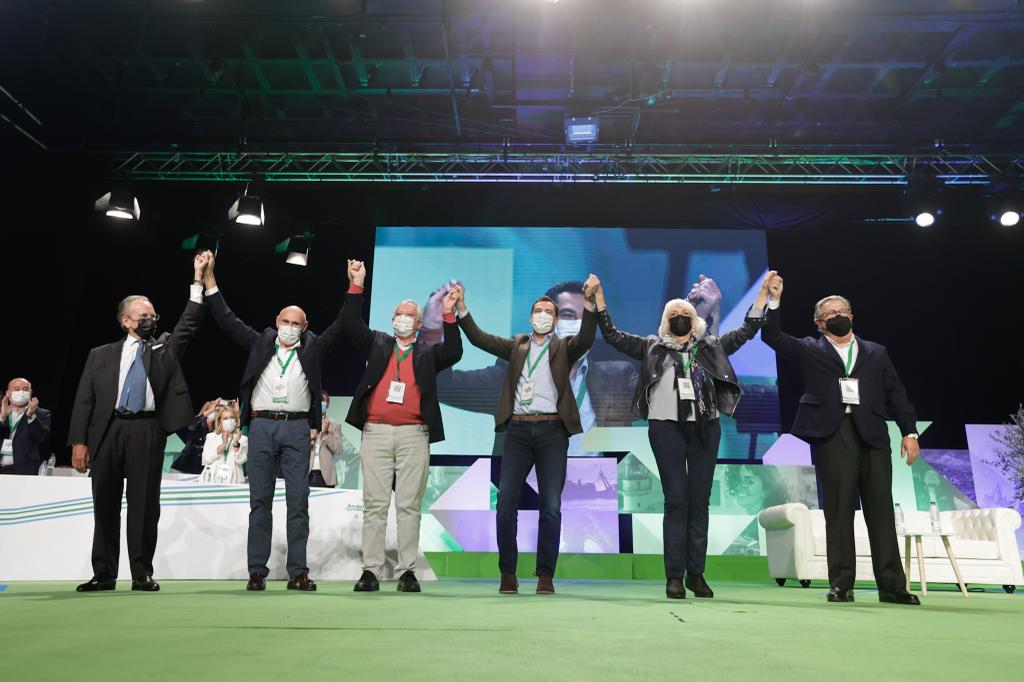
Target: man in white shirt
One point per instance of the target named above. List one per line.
(24, 430)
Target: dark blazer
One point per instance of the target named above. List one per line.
(31, 442)
(821, 409)
(609, 384)
(377, 347)
(190, 459)
(96, 398)
(656, 358)
(561, 355)
(310, 356)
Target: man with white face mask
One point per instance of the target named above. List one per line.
(395, 405)
(24, 430)
(540, 413)
(280, 399)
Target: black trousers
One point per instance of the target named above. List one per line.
(132, 449)
(686, 457)
(849, 468)
(542, 445)
(316, 479)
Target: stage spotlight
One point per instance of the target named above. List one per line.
(296, 249)
(1009, 218)
(582, 129)
(924, 219)
(247, 210)
(119, 204)
(204, 241)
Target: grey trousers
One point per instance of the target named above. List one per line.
(399, 454)
(271, 442)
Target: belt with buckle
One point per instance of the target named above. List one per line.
(533, 418)
(279, 416)
(151, 414)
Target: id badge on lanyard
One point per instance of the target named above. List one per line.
(849, 388)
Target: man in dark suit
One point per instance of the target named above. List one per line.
(539, 409)
(24, 430)
(850, 389)
(395, 406)
(280, 399)
(131, 395)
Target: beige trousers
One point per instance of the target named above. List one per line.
(400, 454)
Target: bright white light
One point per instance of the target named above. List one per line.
(247, 219)
(297, 258)
(924, 219)
(1009, 218)
(117, 213)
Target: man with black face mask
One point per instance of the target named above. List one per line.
(131, 395)
(850, 389)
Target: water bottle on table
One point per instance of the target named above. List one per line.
(901, 528)
(933, 514)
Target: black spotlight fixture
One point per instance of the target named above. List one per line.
(923, 200)
(296, 249)
(119, 204)
(203, 241)
(247, 210)
(1006, 203)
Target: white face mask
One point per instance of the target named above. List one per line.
(542, 322)
(566, 328)
(404, 325)
(20, 398)
(227, 425)
(288, 334)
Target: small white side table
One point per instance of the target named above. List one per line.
(918, 541)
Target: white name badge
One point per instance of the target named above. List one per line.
(526, 397)
(7, 448)
(396, 392)
(280, 391)
(685, 389)
(850, 390)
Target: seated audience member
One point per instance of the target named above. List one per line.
(225, 449)
(190, 459)
(24, 430)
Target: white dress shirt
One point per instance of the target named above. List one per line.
(545, 393)
(587, 416)
(846, 353)
(294, 378)
(7, 449)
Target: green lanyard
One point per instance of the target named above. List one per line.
(849, 357)
(582, 395)
(283, 365)
(531, 366)
(14, 424)
(227, 447)
(688, 359)
(398, 362)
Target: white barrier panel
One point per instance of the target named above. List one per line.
(46, 528)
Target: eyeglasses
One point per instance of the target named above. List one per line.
(833, 313)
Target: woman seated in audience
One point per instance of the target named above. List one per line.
(225, 449)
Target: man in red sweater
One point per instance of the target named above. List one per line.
(395, 405)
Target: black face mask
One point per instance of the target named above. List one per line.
(840, 325)
(145, 328)
(680, 325)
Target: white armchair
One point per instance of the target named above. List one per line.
(985, 545)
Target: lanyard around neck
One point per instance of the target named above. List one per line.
(399, 358)
(277, 356)
(688, 358)
(531, 366)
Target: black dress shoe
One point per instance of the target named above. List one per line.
(408, 582)
(900, 596)
(838, 595)
(146, 584)
(96, 585)
(302, 582)
(367, 583)
(695, 583)
(674, 588)
(257, 582)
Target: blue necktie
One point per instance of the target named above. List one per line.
(133, 395)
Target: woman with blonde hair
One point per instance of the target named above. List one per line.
(225, 449)
(685, 382)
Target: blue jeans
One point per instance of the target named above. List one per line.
(272, 442)
(544, 445)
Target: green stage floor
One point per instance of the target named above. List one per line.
(461, 629)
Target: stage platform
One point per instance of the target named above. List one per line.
(461, 629)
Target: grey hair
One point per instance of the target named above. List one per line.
(20, 379)
(700, 326)
(833, 297)
(122, 307)
(419, 311)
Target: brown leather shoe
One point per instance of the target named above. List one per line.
(302, 582)
(257, 583)
(509, 584)
(545, 585)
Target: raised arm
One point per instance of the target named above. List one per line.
(578, 344)
(237, 330)
(733, 340)
(352, 322)
(498, 346)
(624, 342)
(449, 351)
(785, 345)
(192, 317)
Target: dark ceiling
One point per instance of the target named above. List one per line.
(107, 75)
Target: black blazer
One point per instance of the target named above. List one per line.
(821, 409)
(377, 347)
(190, 459)
(96, 398)
(312, 351)
(31, 442)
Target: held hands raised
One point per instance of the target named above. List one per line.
(775, 285)
(449, 301)
(762, 295)
(356, 272)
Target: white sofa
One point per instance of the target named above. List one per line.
(985, 546)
